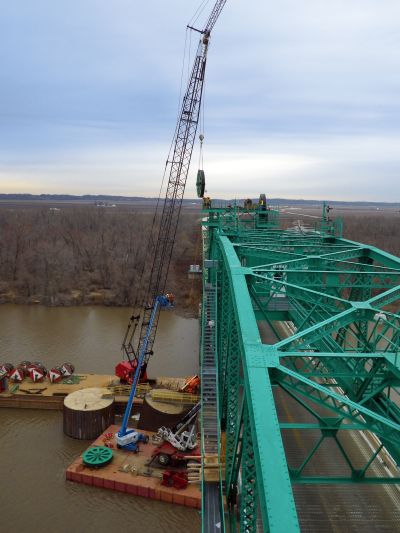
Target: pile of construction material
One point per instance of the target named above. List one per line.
(36, 372)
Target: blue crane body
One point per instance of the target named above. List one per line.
(129, 438)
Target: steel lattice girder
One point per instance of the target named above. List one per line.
(342, 354)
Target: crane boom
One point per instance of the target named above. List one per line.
(215, 13)
(160, 253)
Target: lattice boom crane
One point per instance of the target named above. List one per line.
(140, 335)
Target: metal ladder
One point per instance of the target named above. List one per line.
(213, 521)
(209, 376)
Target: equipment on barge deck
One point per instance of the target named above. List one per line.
(37, 372)
(7, 368)
(17, 375)
(139, 348)
(55, 374)
(97, 457)
(192, 385)
(87, 413)
(178, 480)
(166, 455)
(183, 435)
(67, 370)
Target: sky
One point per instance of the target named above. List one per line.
(301, 98)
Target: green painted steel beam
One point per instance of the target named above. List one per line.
(321, 480)
(274, 488)
(325, 300)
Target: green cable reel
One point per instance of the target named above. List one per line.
(97, 456)
(200, 183)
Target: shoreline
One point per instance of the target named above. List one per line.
(190, 312)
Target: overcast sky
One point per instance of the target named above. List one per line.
(301, 100)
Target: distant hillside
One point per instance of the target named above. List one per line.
(72, 198)
(98, 198)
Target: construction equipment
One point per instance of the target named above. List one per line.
(192, 385)
(166, 454)
(7, 368)
(139, 347)
(183, 435)
(97, 457)
(178, 480)
(67, 369)
(37, 372)
(55, 374)
(169, 396)
(17, 375)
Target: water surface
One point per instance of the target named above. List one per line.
(34, 452)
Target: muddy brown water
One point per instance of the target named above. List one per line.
(34, 452)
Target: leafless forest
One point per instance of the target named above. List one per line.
(377, 228)
(88, 255)
(91, 255)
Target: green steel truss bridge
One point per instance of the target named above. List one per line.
(300, 377)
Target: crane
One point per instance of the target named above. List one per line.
(142, 328)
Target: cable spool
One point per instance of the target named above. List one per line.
(36, 373)
(40, 365)
(67, 369)
(97, 457)
(7, 368)
(17, 375)
(25, 366)
(200, 183)
(55, 374)
(88, 413)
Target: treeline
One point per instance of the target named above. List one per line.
(87, 255)
(377, 228)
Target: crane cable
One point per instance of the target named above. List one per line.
(187, 52)
(202, 129)
(138, 293)
(169, 151)
(198, 12)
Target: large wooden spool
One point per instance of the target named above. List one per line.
(87, 413)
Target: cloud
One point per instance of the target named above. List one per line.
(336, 168)
(301, 99)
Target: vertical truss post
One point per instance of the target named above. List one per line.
(248, 494)
(232, 415)
(224, 336)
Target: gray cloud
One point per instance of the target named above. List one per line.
(301, 97)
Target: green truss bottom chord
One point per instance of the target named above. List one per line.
(97, 456)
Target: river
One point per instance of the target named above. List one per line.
(34, 452)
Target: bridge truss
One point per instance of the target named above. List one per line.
(306, 336)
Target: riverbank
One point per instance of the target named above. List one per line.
(187, 308)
